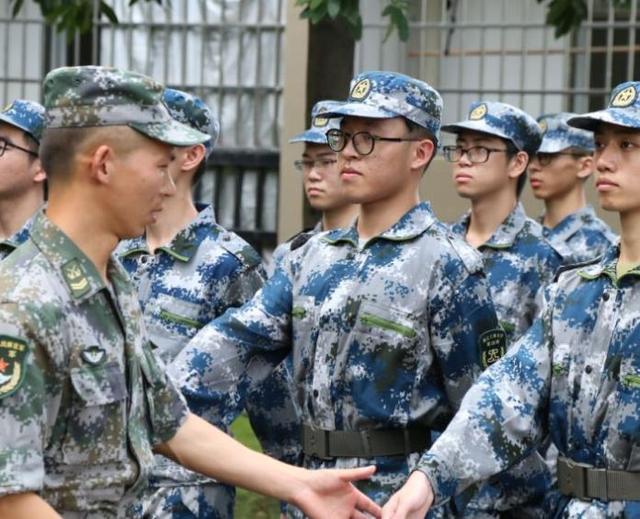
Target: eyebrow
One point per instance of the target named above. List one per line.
(321, 154)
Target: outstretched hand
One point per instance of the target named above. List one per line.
(412, 501)
(330, 494)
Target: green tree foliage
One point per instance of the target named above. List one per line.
(566, 15)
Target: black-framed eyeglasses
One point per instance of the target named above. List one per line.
(475, 154)
(307, 164)
(363, 142)
(6, 144)
(547, 158)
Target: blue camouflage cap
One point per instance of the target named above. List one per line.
(557, 135)
(320, 124)
(623, 109)
(383, 95)
(28, 116)
(90, 96)
(502, 120)
(193, 111)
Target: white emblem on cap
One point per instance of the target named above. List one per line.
(624, 97)
(361, 89)
(543, 126)
(478, 112)
(320, 121)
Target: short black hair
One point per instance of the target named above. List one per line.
(511, 152)
(202, 168)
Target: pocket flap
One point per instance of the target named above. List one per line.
(99, 385)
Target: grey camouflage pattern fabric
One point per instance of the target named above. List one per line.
(388, 335)
(320, 125)
(194, 112)
(580, 237)
(558, 136)
(623, 109)
(575, 375)
(26, 115)
(501, 120)
(88, 96)
(384, 95)
(518, 263)
(79, 428)
(195, 278)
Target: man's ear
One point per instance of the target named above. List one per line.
(194, 156)
(425, 150)
(585, 167)
(39, 175)
(518, 164)
(101, 164)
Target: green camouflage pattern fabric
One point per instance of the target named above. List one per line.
(580, 237)
(195, 278)
(574, 376)
(518, 263)
(79, 428)
(81, 97)
(388, 334)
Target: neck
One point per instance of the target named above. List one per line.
(90, 233)
(630, 237)
(339, 218)
(14, 212)
(377, 217)
(559, 208)
(487, 214)
(178, 211)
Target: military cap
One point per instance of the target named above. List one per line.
(623, 109)
(320, 124)
(82, 97)
(28, 116)
(193, 111)
(383, 95)
(501, 120)
(557, 135)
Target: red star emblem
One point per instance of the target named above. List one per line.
(3, 365)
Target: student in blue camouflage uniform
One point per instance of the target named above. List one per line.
(558, 174)
(575, 374)
(387, 320)
(492, 150)
(22, 178)
(277, 424)
(187, 270)
(83, 399)
(321, 178)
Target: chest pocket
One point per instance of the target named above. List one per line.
(96, 418)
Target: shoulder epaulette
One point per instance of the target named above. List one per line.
(235, 245)
(573, 266)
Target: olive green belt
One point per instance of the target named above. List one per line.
(366, 443)
(586, 482)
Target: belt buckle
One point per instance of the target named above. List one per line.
(577, 476)
(316, 443)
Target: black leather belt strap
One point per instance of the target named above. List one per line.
(364, 444)
(586, 482)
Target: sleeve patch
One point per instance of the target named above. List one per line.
(13, 354)
(493, 346)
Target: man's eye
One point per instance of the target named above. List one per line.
(627, 145)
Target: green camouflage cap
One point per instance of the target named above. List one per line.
(82, 97)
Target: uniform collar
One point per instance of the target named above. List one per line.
(185, 244)
(571, 224)
(606, 266)
(76, 269)
(19, 237)
(506, 233)
(412, 224)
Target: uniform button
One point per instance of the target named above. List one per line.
(605, 296)
(316, 393)
(143, 259)
(226, 237)
(588, 369)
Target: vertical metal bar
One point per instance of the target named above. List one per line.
(278, 50)
(112, 45)
(422, 65)
(543, 75)
(95, 31)
(238, 85)
(239, 180)
(260, 181)
(609, 61)
(5, 83)
(129, 35)
(463, 19)
(223, 38)
(168, 14)
(184, 33)
(260, 93)
(23, 61)
(523, 57)
(483, 51)
(632, 40)
(587, 52)
(566, 67)
(203, 45)
(503, 55)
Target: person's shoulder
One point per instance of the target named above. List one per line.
(234, 245)
(453, 248)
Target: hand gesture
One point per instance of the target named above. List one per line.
(412, 501)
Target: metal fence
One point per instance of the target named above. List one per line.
(226, 51)
(503, 50)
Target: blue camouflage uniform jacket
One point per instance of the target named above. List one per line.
(518, 262)
(387, 335)
(580, 237)
(574, 375)
(10, 244)
(203, 271)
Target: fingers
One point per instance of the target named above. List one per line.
(389, 509)
(356, 474)
(365, 504)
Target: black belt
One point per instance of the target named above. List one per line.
(586, 482)
(364, 444)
